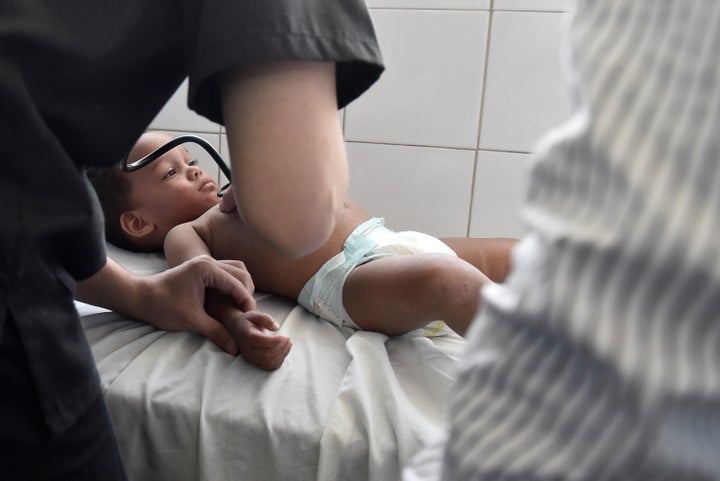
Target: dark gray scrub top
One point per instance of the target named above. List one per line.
(79, 82)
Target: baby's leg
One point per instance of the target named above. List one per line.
(493, 256)
(397, 294)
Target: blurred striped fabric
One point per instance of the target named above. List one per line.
(599, 359)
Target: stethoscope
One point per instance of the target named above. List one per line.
(152, 156)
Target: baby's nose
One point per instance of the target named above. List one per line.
(194, 172)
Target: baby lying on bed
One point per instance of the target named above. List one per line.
(364, 277)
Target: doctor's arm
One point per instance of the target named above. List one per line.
(172, 300)
(287, 152)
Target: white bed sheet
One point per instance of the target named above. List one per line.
(344, 405)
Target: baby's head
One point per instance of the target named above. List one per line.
(141, 207)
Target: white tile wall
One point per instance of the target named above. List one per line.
(523, 95)
(431, 91)
(500, 184)
(533, 5)
(431, 4)
(177, 116)
(440, 144)
(413, 188)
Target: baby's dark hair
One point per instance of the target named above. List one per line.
(113, 189)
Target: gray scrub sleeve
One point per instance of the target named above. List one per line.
(240, 33)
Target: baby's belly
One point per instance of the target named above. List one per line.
(286, 277)
(285, 280)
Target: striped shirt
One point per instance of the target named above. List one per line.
(599, 358)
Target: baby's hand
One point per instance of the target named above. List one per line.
(257, 346)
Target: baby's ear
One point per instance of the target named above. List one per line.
(135, 225)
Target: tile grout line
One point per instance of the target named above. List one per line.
(480, 119)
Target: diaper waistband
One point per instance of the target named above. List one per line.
(355, 247)
(361, 231)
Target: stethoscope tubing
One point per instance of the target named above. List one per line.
(152, 156)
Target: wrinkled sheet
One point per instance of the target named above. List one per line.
(344, 405)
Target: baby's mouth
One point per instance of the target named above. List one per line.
(208, 185)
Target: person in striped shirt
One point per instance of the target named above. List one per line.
(599, 358)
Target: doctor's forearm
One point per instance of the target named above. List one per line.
(112, 288)
(287, 152)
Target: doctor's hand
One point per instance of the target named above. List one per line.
(177, 297)
(174, 300)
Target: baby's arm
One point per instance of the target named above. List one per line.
(248, 329)
(183, 242)
(263, 349)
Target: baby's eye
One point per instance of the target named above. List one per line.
(193, 162)
(170, 173)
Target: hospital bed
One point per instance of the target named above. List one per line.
(344, 405)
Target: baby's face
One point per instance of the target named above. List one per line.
(172, 189)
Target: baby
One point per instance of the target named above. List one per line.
(364, 276)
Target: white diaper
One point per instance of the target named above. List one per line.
(322, 294)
